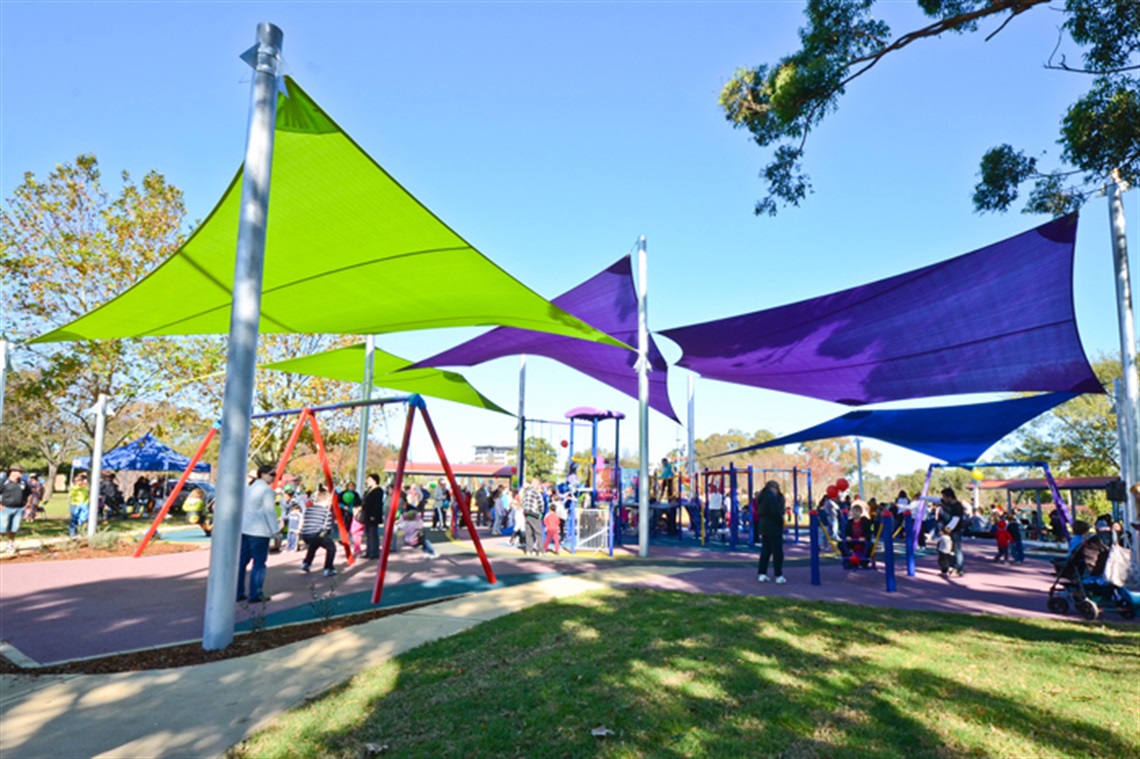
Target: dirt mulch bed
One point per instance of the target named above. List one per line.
(188, 654)
(69, 552)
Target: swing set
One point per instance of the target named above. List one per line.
(308, 415)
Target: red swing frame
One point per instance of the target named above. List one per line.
(308, 414)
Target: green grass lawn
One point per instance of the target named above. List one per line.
(680, 675)
(53, 522)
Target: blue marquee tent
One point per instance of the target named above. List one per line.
(147, 454)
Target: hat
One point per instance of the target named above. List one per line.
(15, 468)
(288, 488)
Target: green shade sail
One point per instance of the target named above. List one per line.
(348, 251)
(347, 364)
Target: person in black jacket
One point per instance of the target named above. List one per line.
(373, 516)
(770, 530)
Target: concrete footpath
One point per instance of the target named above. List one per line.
(201, 711)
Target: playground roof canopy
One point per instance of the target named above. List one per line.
(347, 364)
(344, 238)
(999, 319)
(591, 414)
(147, 454)
(951, 433)
(608, 301)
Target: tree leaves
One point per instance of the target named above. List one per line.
(779, 104)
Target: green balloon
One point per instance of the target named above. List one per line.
(431, 486)
(348, 497)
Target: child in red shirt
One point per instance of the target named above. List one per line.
(552, 524)
(1004, 539)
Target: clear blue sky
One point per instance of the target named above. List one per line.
(551, 135)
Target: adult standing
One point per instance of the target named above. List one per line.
(533, 506)
(258, 526)
(483, 503)
(956, 514)
(438, 496)
(373, 516)
(14, 495)
(770, 507)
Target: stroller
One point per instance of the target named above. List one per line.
(1091, 578)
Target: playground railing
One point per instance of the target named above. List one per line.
(593, 530)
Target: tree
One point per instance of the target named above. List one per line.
(541, 458)
(841, 451)
(67, 246)
(1078, 437)
(717, 443)
(780, 104)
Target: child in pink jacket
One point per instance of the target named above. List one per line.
(552, 524)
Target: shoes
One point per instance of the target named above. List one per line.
(260, 599)
(304, 567)
(433, 556)
(242, 597)
(781, 580)
(960, 572)
(329, 572)
(764, 578)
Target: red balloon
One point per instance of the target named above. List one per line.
(565, 444)
(832, 491)
(514, 470)
(842, 484)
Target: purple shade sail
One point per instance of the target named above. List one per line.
(955, 434)
(606, 301)
(999, 319)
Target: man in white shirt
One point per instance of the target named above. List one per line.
(259, 523)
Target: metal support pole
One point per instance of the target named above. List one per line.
(692, 441)
(522, 422)
(241, 353)
(365, 411)
(643, 396)
(1130, 409)
(751, 509)
(100, 410)
(859, 463)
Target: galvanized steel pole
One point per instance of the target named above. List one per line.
(642, 400)
(241, 353)
(1129, 410)
(365, 418)
(100, 410)
(521, 458)
(692, 441)
(859, 463)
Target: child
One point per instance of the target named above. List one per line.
(356, 531)
(412, 525)
(1004, 539)
(518, 521)
(293, 542)
(552, 524)
(945, 552)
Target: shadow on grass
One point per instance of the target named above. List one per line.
(677, 675)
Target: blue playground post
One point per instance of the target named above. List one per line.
(909, 522)
(813, 534)
(733, 509)
(751, 511)
(796, 504)
(889, 550)
(572, 524)
(843, 531)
